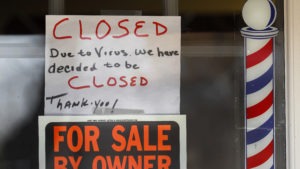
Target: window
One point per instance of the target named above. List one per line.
(212, 75)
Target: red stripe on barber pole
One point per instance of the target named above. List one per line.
(260, 107)
(260, 55)
(261, 157)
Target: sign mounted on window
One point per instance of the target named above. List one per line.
(114, 62)
(125, 141)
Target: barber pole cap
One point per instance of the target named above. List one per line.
(259, 14)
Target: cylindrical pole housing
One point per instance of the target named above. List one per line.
(259, 97)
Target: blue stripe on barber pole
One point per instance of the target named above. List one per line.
(260, 82)
(259, 133)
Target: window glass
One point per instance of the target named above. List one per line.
(212, 75)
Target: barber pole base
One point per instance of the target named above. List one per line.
(259, 95)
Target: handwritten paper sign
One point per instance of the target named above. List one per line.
(114, 62)
(110, 142)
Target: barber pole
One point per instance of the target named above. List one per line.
(259, 15)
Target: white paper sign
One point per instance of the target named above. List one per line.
(113, 62)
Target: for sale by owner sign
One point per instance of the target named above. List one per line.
(112, 142)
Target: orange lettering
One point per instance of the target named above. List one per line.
(161, 137)
(95, 162)
(117, 162)
(147, 163)
(119, 138)
(60, 162)
(133, 164)
(58, 138)
(134, 139)
(75, 163)
(91, 139)
(71, 131)
(147, 146)
(163, 162)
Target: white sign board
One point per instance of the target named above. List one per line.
(114, 62)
